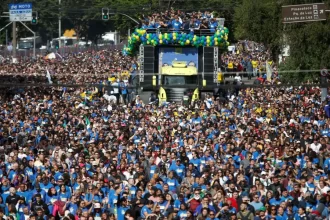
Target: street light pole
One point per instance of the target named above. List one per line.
(59, 24)
(14, 43)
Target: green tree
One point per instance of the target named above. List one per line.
(260, 21)
(4, 21)
(309, 49)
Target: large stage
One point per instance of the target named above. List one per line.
(153, 58)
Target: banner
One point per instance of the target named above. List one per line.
(269, 72)
(49, 77)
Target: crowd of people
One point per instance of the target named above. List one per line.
(105, 67)
(180, 20)
(249, 59)
(71, 153)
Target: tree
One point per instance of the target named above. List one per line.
(260, 21)
(4, 21)
(309, 49)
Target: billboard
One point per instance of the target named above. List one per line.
(304, 13)
(170, 54)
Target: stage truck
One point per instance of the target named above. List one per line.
(179, 74)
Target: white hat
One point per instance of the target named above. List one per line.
(70, 150)
(97, 205)
(263, 173)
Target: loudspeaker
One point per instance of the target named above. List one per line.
(208, 60)
(149, 59)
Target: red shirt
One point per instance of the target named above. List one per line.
(233, 203)
(194, 204)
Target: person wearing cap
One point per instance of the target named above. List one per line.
(280, 132)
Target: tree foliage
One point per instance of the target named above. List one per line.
(260, 21)
(257, 20)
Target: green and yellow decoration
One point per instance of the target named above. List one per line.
(140, 36)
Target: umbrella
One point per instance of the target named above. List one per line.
(53, 56)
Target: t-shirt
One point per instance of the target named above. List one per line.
(254, 63)
(176, 25)
(12, 199)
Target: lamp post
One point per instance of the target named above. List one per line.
(59, 24)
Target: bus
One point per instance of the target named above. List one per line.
(27, 43)
(65, 42)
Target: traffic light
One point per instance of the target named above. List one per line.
(105, 14)
(57, 45)
(34, 20)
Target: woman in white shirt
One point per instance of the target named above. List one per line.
(323, 188)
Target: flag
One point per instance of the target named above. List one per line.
(269, 72)
(49, 77)
(87, 122)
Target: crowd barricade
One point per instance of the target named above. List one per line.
(197, 32)
(28, 54)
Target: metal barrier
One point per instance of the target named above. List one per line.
(28, 54)
(197, 32)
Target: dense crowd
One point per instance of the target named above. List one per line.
(250, 59)
(71, 153)
(180, 20)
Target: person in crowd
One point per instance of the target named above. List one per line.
(255, 153)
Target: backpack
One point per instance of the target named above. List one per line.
(244, 217)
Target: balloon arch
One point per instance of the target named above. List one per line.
(140, 36)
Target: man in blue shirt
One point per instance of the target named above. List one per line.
(122, 209)
(146, 210)
(176, 24)
(204, 204)
(178, 168)
(213, 25)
